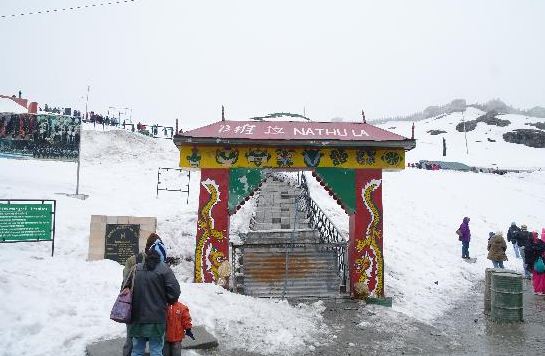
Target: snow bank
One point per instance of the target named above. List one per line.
(56, 306)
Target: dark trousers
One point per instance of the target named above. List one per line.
(172, 349)
(465, 249)
(127, 347)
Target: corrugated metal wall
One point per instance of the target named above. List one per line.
(281, 230)
(312, 270)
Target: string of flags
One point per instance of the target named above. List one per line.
(65, 9)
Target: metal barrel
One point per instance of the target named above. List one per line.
(487, 285)
(506, 301)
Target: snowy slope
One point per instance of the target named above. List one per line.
(481, 151)
(58, 305)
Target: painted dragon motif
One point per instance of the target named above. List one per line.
(206, 224)
(369, 253)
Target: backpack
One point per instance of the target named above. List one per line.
(178, 320)
(539, 266)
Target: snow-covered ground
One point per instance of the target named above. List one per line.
(9, 106)
(55, 306)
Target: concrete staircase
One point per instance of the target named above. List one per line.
(280, 235)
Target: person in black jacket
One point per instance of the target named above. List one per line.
(155, 286)
(523, 237)
(512, 237)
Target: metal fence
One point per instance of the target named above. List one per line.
(329, 233)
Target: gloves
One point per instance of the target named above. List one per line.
(189, 333)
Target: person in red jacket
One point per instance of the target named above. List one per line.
(178, 326)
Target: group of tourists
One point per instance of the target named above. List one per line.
(157, 317)
(528, 246)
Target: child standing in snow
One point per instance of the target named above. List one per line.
(178, 326)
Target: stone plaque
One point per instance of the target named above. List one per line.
(118, 237)
(121, 241)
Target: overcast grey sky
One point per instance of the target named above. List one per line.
(175, 58)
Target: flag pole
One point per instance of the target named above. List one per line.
(80, 139)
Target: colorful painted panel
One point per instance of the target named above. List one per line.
(285, 157)
(212, 246)
(52, 137)
(341, 183)
(366, 234)
(242, 182)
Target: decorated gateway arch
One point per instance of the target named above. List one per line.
(347, 157)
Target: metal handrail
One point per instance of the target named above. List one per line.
(329, 233)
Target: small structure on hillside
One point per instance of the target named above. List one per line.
(347, 157)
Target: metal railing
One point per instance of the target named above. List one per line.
(329, 233)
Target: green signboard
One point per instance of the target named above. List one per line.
(26, 222)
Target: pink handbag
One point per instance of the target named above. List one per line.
(121, 311)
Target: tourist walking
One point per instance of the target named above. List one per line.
(512, 237)
(496, 250)
(535, 257)
(464, 236)
(523, 237)
(155, 286)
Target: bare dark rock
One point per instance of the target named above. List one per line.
(539, 125)
(436, 132)
(490, 118)
(528, 137)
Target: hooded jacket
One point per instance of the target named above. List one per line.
(534, 250)
(512, 233)
(464, 230)
(155, 286)
(523, 238)
(496, 248)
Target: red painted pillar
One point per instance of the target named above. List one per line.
(212, 246)
(365, 257)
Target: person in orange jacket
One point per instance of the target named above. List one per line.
(178, 326)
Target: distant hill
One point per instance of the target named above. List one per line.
(494, 138)
(459, 105)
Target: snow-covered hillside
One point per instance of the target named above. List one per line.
(482, 152)
(58, 305)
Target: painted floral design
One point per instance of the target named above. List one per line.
(284, 157)
(226, 156)
(258, 157)
(194, 158)
(338, 156)
(391, 157)
(366, 157)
